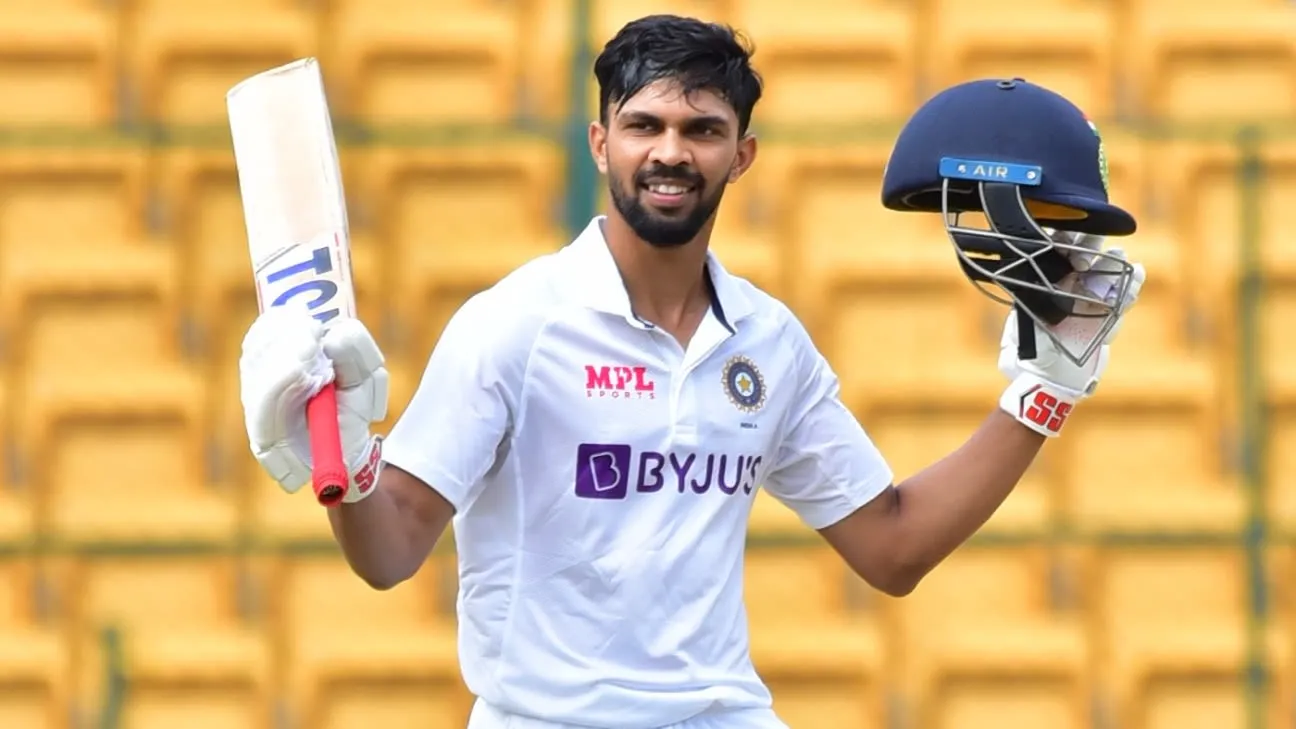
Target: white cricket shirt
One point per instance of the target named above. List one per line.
(603, 477)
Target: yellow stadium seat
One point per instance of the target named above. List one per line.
(1280, 628)
(1204, 192)
(825, 203)
(123, 458)
(17, 515)
(822, 657)
(987, 644)
(59, 59)
(88, 331)
(770, 517)
(77, 315)
(786, 584)
(277, 517)
(1209, 184)
(403, 377)
(831, 61)
(189, 652)
(546, 51)
(1169, 360)
(1198, 184)
(1275, 185)
(449, 191)
(743, 239)
(542, 47)
(184, 58)
(1274, 261)
(822, 677)
(76, 273)
(1147, 466)
(1162, 321)
(454, 220)
(397, 63)
(1199, 190)
(1280, 460)
(352, 651)
(71, 198)
(1275, 350)
(34, 656)
(1130, 158)
(1064, 45)
(1172, 634)
(913, 346)
(1204, 60)
(33, 666)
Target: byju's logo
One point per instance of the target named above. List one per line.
(608, 470)
(625, 383)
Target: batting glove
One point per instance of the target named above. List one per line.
(1044, 390)
(287, 358)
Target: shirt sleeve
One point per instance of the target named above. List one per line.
(465, 404)
(827, 467)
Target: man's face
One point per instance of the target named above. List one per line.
(668, 159)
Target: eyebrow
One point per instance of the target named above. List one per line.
(706, 120)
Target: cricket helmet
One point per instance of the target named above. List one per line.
(1033, 165)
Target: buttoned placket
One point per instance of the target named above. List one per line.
(681, 364)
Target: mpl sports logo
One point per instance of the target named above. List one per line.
(611, 470)
(619, 382)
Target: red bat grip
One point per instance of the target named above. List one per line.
(329, 475)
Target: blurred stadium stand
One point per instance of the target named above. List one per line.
(1141, 577)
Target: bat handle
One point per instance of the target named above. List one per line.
(329, 476)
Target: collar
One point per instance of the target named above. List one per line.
(598, 281)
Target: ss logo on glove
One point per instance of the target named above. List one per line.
(1044, 409)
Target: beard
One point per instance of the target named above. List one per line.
(653, 228)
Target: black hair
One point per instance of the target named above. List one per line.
(696, 54)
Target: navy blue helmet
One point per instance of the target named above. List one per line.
(1033, 165)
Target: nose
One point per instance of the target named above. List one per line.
(670, 150)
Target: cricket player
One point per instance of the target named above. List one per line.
(597, 424)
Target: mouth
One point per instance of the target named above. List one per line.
(667, 193)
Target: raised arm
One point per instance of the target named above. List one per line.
(891, 534)
(406, 489)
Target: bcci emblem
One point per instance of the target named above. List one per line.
(743, 384)
(1102, 157)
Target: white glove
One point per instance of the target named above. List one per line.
(1046, 389)
(287, 358)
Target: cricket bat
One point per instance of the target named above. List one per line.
(290, 182)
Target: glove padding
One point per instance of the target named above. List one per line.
(1046, 389)
(287, 358)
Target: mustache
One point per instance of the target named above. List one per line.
(678, 174)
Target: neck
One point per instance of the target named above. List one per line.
(666, 286)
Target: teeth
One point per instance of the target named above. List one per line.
(668, 189)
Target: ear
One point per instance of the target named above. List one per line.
(598, 146)
(745, 157)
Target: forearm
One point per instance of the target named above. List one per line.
(942, 506)
(379, 537)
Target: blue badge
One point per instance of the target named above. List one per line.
(743, 384)
(988, 171)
